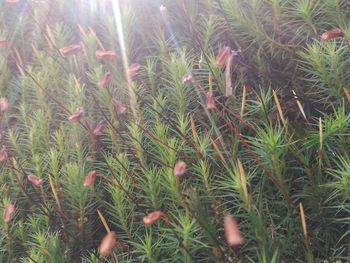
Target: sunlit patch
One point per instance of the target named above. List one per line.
(92, 5)
(119, 26)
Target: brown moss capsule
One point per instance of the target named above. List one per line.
(9, 209)
(98, 128)
(334, 33)
(3, 42)
(77, 115)
(119, 106)
(179, 169)
(154, 217)
(133, 69)
(70, 50)
(222, 56)
(105, 80)
(107, 244)
(34, 180)
(90, 179)
(232, 234)
(4, 104)
(105, 54)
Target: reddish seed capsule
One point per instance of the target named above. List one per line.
(4, 104)
(3, 42)
(210, 101)
(70, 50)
(232, 234)
(9, 209)
(77, 115)
(179, 169)
(90, 179)
(98, 128)
(133, 69)
(119, 106)
(34, 180)
(105, 80)
(334, 33)
(107, 245)
(3, 154)
(222, 57)
(105, 54)
(154, 217)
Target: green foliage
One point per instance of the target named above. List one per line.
(275, 154)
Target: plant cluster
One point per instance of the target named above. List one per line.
(174, 131)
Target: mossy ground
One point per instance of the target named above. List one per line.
(265, 137)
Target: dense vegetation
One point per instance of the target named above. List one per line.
(155, 126)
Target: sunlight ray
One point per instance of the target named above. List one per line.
(119, 25)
